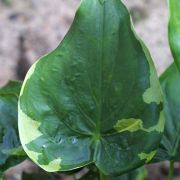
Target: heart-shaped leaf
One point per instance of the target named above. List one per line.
(170, 144)
(174, 30)
(11, 151)
(94, 99)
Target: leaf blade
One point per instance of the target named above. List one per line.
(84, 87)
(10, 147)
(169, 146)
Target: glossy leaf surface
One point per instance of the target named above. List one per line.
(94, 99)
(170, 144)
(11, 151)
(174, 30)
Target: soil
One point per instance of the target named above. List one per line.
(31, 28)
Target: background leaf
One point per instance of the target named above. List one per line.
(170, 144)
(174, 30)
(75, 101)
(11, 152)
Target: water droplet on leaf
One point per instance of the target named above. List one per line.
(74, 140)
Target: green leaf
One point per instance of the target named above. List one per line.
(10, 147)
(174, 30)
(19, 151)
(12, 88)
(170, 144)
(73, 99)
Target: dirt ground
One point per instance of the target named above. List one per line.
(31, 28)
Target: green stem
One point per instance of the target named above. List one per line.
(171, 170)
(102, 176)
(1, 175)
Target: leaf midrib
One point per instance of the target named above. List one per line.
(98, 129)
